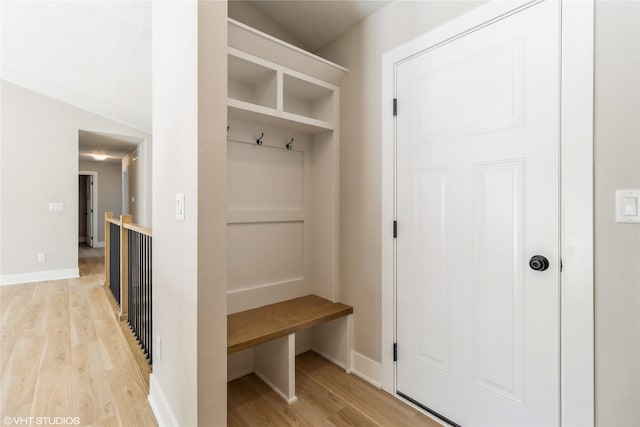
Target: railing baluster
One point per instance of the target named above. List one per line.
(143, 317)
(114, 258)
(140, 289)
(149, 305)
(140, 284)
(128, 273)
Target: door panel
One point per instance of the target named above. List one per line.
(498, 298)
(431, 187)
(477, 190)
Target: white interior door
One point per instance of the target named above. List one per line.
(477, 196)
(89, 216)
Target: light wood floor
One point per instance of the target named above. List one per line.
(62, 353)
(326, 397)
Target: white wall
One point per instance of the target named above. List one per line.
(617, 156)
(243, 11)
(109, 191)
(360, 50)
(138, 166)
(617, 167)
(39, 164)
(188, 384)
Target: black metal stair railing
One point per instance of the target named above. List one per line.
(140, 289)
(114, 261)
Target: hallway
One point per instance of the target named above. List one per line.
(62, 353)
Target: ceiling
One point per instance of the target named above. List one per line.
(316, 23)
(96, 55)
(115, 147)
(92, 54)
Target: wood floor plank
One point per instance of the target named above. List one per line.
(110, 422)
(385, 409)
(92, 399)
(348, 416)
(315, 401)
(31, 318)
(326, 396)
(82, 325)
(62, 353)
(130, 397)
(57, 353)
(18, 381)
(52, 396)
(250, 405)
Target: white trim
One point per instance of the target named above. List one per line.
(365, 368)
(331, 359)
(577, 332)
(272, 39)
(577, 308)
(94, 203)
(81, 239)
(99, 245)
(159, 405)
(39, 276)
(264, 379)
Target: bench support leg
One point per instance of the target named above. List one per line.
(275, 364)
(333, 341)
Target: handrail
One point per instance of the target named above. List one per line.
(131, 226)
(128, 275)
(139, 228)
(115, 221)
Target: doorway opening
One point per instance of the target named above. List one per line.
(87, 211)
(109, 156)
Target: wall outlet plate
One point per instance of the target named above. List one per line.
(159, 348)
(180, 206)
(56, 206)
(628, 206)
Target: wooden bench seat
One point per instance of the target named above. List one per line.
(259, 325)
(271, 330)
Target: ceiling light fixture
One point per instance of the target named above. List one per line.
(99, 156)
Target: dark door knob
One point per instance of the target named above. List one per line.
(538, 263)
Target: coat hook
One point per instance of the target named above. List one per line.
(290, 145)
(259, 140)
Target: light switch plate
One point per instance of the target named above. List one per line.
(628, 206)
(56, 206)
(180, 206)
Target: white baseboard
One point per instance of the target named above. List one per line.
(274, 388)
(82, 239)
(39, 276)
(98, 245)
(160, 406)
(331, 359)
(367, 369)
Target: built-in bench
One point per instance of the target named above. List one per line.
(271, 330)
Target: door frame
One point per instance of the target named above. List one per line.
(94, 206)
(577, 383)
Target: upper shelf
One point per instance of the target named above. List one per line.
(276, 84)
(250, 40)
(270, 117)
